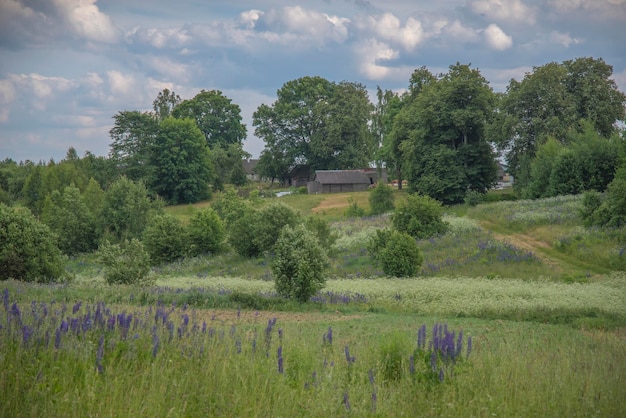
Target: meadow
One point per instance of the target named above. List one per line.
(518, 311)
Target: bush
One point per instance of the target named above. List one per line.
(354, 210)
(609, 210)
(206, 232)
(419, 216)
(125, 263)
(165, 239)
(28, 250)
(299, 264)
(322, 231)
(473, 198)
(381, 199)
(400, 256)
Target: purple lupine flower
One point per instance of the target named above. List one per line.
(203, 327)
(76, 307)
(100, 354)
(280, 334)
(238, 345)
(185, 320)
(374, 398)
(26, 334)
(441, 375)
(412, 365)
(349, 359)
(370, 375)
(346, 401)
(5, 299)
(421, 337)
(15, 312)
(254, 346)
(57, 338)
(329, 335)
(433, 360)
(155, 344)
(469, 346)
(280, 359)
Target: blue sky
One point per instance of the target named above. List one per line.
(67, 66)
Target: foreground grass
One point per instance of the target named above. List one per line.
(96, 359)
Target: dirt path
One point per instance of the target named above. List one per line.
(333, 201)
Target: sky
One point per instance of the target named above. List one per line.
(68, 66)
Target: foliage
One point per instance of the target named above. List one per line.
(125, 263)
(126, 210)
(397, 253)
(165, 239)
(299, 264)
(228, 162)
(74, 223)
(610, 210)
(354, 210)
(381, 199)
(315, 122)
(473, 198)
(322, 231)
(419, 216)
(181, 162)
(132, 136)
(216, 116)
(550, 101)
(268, 222)
(206, 232)
(28, 250)
(241, 233)
(444, 140)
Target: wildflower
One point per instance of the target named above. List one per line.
(155, 344)
(57, 338)
(349, 359)
(412, 365)
(26, 333)
(76, 307)
(280, 359)
(100, 354)
(346, 401)
(469, 346)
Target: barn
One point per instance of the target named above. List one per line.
(338, 181)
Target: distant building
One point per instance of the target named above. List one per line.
(338, 181)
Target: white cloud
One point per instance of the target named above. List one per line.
(496, 38)
(249, 18)
(120, 84)
(86, 20)
(607, 9)
(564, 39)
(372, 53)
(389, 28)
(456, 31)
(504, 10)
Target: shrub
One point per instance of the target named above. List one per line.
(378, 241)
(269, 221)
(381, 199)
(299, 264)
(206, 232)
(241, 234)
(473, 198)
(322, 231)
(400, 257)
(125, 263)
(419, 216)
(28, 249)
(165, 239)
(354, 210)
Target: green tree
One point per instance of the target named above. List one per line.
(126, 210)
(133, 136)
(419, 216)
(165, 103)
(317, 123)
(165, 239)
(381, 199)
(206, 232)
(181, 162)
(217, 117)
(125, 263)
(299, 264)
(28, 250)
(70, 219)
(541, 169)
(550, 101)
(388, 154)
(228, 163)
(446, 150)
(400, 256)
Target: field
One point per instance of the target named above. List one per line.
(517, 311)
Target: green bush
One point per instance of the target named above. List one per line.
(165, 239)
(28, 250)
(206, 232)
(401, 256)
(125, 263)
(419, 216)
(381, 199)
(299, 264)
(378, 241)
(608, 210)
(324, 234)
(473, 198)
(354, 210)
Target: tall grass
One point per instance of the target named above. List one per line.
(83, 359)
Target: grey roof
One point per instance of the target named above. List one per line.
(249, 165)
(341, 177)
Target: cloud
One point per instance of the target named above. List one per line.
(496, 38)
(563, 39)
(86, 21)
(504, 10)
(595, 9)
(388, 28)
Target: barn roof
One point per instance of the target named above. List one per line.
(341, 177)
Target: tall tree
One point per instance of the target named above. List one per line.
(446, 152)
(133, 135)
(550, 101)
(318, 123)
(165, 103)
(181, 162)
(217, 117)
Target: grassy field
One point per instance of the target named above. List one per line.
(540, 302)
